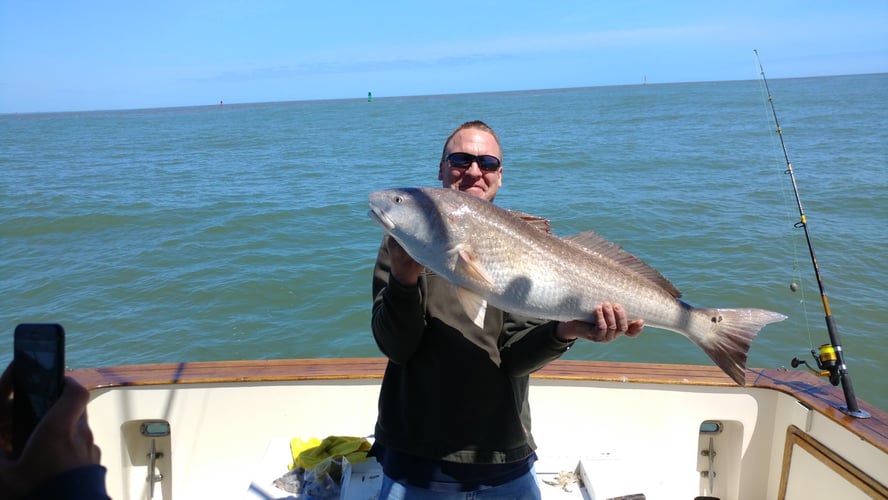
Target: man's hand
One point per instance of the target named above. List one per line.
(610, 322)
(61, 441)
(404, 268)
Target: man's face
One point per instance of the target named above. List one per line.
(472, 179)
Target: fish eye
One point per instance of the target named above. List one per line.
(398, 199)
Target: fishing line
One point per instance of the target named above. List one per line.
(829, 358)
(797, 282)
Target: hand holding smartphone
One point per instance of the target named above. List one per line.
(38, 375)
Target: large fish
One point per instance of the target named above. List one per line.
(493, 256)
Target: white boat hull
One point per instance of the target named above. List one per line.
(635, 428)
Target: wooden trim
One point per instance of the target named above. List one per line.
(861, 480)
(643, 373)
(811, 391)
(200, 372)
(203, 372)
(817, 394)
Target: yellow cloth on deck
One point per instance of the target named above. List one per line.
(308, 454)
(298, 445)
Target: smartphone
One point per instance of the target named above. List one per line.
(38, 376)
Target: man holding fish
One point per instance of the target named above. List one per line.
(454, 418)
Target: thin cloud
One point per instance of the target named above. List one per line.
(457, 53)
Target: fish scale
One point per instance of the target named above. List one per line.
(494, 257)
(546, 271)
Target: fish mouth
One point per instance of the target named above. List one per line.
(382, 219)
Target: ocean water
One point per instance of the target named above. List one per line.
(240, 232)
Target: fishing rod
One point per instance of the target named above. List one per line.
(829, 358)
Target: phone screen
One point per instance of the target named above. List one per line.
(38, 375)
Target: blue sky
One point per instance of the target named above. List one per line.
(88, 55)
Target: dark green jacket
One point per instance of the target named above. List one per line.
(451, 390)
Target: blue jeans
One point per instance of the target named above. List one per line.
(522, 488)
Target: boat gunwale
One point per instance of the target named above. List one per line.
(810, 391)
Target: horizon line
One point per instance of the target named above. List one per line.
(222, 102)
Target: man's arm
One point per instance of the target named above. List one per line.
(398, 316)
(531, 344)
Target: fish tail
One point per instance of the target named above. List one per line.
(729, 334)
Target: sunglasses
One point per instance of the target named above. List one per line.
(487, 163)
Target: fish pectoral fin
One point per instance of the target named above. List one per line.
(473, 304)
(467, 264)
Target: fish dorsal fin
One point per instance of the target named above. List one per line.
(540, 223)
(596, 245)
(473, 304)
